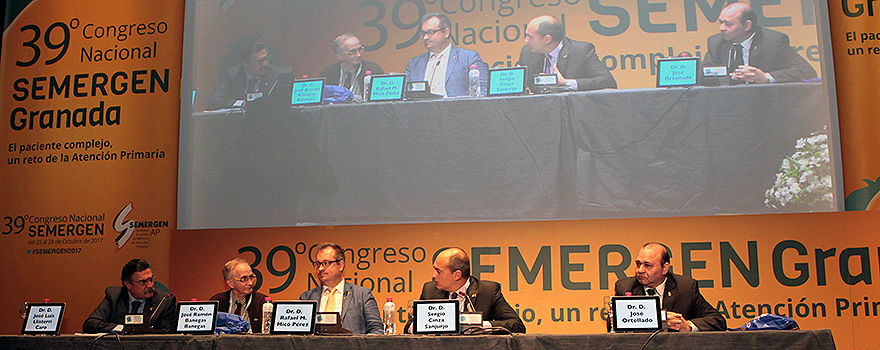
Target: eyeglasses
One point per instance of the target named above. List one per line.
(429, 32)
(246, 279)
(325, 264)
(356, 50)
(144, 281)
(267, 58)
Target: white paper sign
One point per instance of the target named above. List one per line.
(438, 317)
(293, 318)
(43, 319)
(636, 314)
(196, 317)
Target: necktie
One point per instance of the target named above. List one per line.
(548, 64)
(252, 84)
(330, 306)
(241, 308)
(135, 305)
(461, 300)
(435, 61)
(736, 58)
(650, 291)
(348, 80)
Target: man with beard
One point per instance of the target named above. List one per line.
(137, 296)
(355, 304)
(253, 74)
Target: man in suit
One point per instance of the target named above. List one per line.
(445, 67)
(686, 309)
(356, 305)
(349, 72)
(241, 298)
(752, 53)
(575, 63)
(452, 280)
(253, 74)
(138, 296)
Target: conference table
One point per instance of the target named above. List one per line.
(576, 155)
(765, 340)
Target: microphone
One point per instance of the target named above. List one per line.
(470, 302)
(150, 323)
(272, 88)
(433, 71)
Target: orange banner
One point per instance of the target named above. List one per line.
(90, 98)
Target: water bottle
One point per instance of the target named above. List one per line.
(368, 78)
(474, 81)
(390, 323)
(267, 315)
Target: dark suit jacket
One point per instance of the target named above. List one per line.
(360, 313)
(112, 309)
(255, 310)
(577, 60)
(770, 51)
(488, 301)
(682, 296)
(460, 61)
(233, 86)
(331, 72)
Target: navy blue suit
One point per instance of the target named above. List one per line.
(460, 61)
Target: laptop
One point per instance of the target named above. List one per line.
(388, 87)
(196, 317)
(440, 316)
(638, 313)
(507, 81)
(678, 72)
(43, 318)
(307, 92)
(294, 317)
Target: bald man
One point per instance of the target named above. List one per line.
(452, 274)
(575, 63)
(686, 309)
(752, 53)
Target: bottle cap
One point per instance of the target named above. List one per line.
(305, 76)
(629, 294)
(473, 66)
(46, 300)
(369, 72)
(267, 299)
(389, 299)
(194, 299)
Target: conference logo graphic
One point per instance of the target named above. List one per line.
(139, 230)
(125, 228)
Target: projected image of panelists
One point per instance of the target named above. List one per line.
(678, 72)
(507, 81)
(388, 87)
(307, 92)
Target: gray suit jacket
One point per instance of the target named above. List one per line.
(577, 60)
(360, 313)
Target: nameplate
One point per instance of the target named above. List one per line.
(327, 318)
(134, 319)
(43, 318)
(294, 317)
(471, 319)
(636, 313)
(195, 317)
(253, 96)
(435, 316)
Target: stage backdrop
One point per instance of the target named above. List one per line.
(817, 268)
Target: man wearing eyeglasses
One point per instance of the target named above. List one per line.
(253, 75)
(352, 67)
(137, 296)
(241, 298)
(445, 67)
(355, 304)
